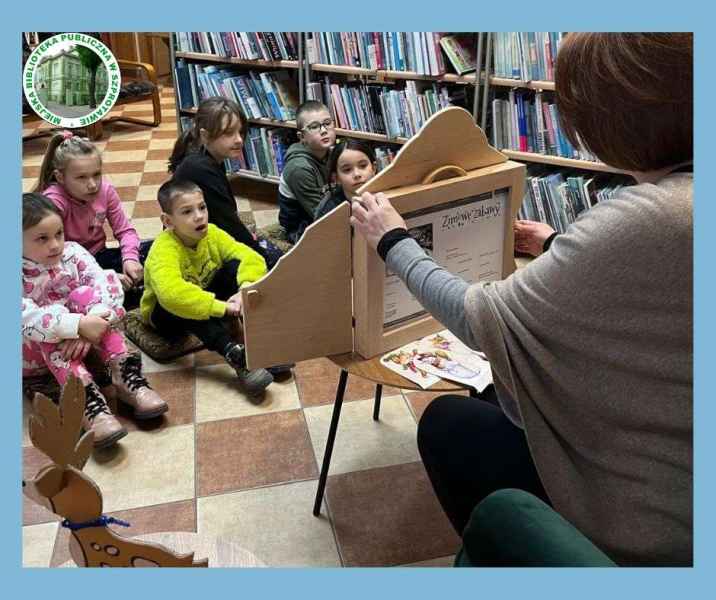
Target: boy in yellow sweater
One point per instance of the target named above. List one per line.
(192, 277)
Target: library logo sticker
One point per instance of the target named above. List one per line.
(71, 80)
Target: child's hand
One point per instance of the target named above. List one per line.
(74, 349)
(126, 281)
(236, 300)
(93, 327)
(530, 236)
(233, 309)
(134, 271)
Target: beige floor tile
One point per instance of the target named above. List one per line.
(266, 217)
(167, 126)
(243, 205)
(147, 229)
(218, 396)
(146, 468)
(28, 184)
(128, 208)
(38, 541)
(148, 192)
(124, 179)
(32, 161)
(274, 523)
(362, 443)
(151, 366)
(153, 166)
(443, 561)
(124, 156)
(130, 132)
(157, 144)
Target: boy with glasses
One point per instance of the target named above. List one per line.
(304, 178)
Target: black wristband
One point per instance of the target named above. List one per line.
(548, 242)
(389, 240)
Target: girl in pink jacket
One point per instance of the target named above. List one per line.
(71, 176)
(69, 305)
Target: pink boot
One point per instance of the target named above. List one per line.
(133, 388)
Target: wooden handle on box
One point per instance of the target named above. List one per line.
(444, 173)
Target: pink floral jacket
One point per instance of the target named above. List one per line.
(47, 312)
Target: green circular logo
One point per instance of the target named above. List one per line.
(71, 80)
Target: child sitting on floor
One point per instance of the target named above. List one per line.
(71, 176)
(193, 273)
(70, 304)
(350, 164)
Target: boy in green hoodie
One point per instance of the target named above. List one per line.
(192, 277)
(304, 177)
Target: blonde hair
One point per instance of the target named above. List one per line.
(62, 148)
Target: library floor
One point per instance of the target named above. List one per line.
(221, 465)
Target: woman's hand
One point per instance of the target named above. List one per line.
(530, 236)
(373, 216)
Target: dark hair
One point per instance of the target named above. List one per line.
(172, 189)
(306, 107)
(349, 144)
(62, 148)
(628, 97)
(36, 207)
(209, 116)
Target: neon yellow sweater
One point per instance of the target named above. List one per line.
(175, 275)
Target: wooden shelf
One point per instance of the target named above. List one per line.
(516, 83)
(379, 74)
(268, 122)
(244, 174)
(366, 135)
(559, 161)
(285, 64)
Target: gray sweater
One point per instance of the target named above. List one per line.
(591, 347)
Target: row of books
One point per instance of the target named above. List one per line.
(379, 109)
(557, 198)
(246, 45)
(527, 122)
(267, 95)
(264, 152)
(418, 51)
(529, 56)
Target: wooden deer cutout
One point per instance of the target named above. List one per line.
(64, 489)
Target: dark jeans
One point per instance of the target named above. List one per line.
(214, 332)
(111, 258)
(292, 217)
(471, 449)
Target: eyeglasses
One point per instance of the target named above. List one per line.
(315, 127)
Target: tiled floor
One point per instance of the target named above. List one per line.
(220, 464)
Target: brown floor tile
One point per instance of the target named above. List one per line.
(156, 178)
(177, 388)
(162, 154)
(388, 516)
(33, 171)
(264, 204)
(205, 358)
(147, 208)
(146, 111)
(32, 513)
(120, 145)
(123, 167)
(317, 381)
(127, 194)
(419, 400)
(175, 516)
(163, 134)
(247, 452)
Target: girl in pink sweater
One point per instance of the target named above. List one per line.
(71, 176)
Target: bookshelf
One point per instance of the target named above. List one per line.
(391, 79)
